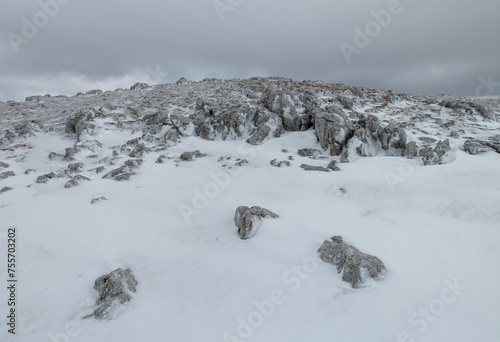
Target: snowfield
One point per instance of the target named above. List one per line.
(435, 227)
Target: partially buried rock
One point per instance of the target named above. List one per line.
(308, 152)
(114, 289)
(438, 154)
(75, 181)
(248, 220)
(277, 163)
(5, 189)
(98, 199)
(314, 168)
(188, 156)
(356, 266)
(333, 166)
(7, 174)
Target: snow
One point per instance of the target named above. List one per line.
(434, 226)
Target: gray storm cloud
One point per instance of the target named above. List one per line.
(66, 46)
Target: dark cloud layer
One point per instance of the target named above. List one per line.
(426, 47)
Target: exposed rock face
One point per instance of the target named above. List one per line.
(332, 131)
(268, 126)
(437, 154)
(354, 265)
(114, 289)
(248, 220)
(283, 103)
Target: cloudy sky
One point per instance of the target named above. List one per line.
(419, 46)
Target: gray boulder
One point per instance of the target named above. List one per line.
(114, 289)
(277, 163)
(7, 174)
(475, 147)
(282, 103)
(268, 126)
(355, 265)
(182, 80)
(308, 152)
(248, 220)
(433, 156)
(411, 150)
(333, 166)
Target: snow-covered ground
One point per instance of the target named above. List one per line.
(436, 228)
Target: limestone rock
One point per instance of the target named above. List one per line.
(475, 147)
(188, 156)
(436, 155)
(355, 265)
(114, 289)
(332, 131)
(314, 168)
(249, 219)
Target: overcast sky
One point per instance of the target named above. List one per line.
(425, 46)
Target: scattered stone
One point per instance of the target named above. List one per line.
(114, 289)
(356, 266)
(98, 169)
(427, 140)
(4, 165)
(333, 166)
(45, 178)
(346, 102)
(70, 153)
(188, 156)
(454, 135)
(98, 199)
(161, 159)
(474, 147)
(277, 163)
(314, 168)
(241, 162)
(75, 167)
(157, 118)
(75, 181)
(392, 137)
(7, 174)
(53, 155)
(181, 80)
(138, 150)
(308, 152)
(27, 172)
(248, 220)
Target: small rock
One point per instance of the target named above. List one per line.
(161, 159)
(356, 266)
(114, 288)
(181, 80)
(98, 169)
(75, 167)
(454, 135)
(314, 168)
(333, 166)
(45, 178)
(75, 181)
(138, 150)
(249, 219)
(98, 199)
(7, 174)
(5, 189)
(308, 152)
(70, 153)
(277, 163)
(188, 156)
(27, 172)
(4, 165)
(53, 155)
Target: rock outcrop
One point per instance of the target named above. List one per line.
(248, 220)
